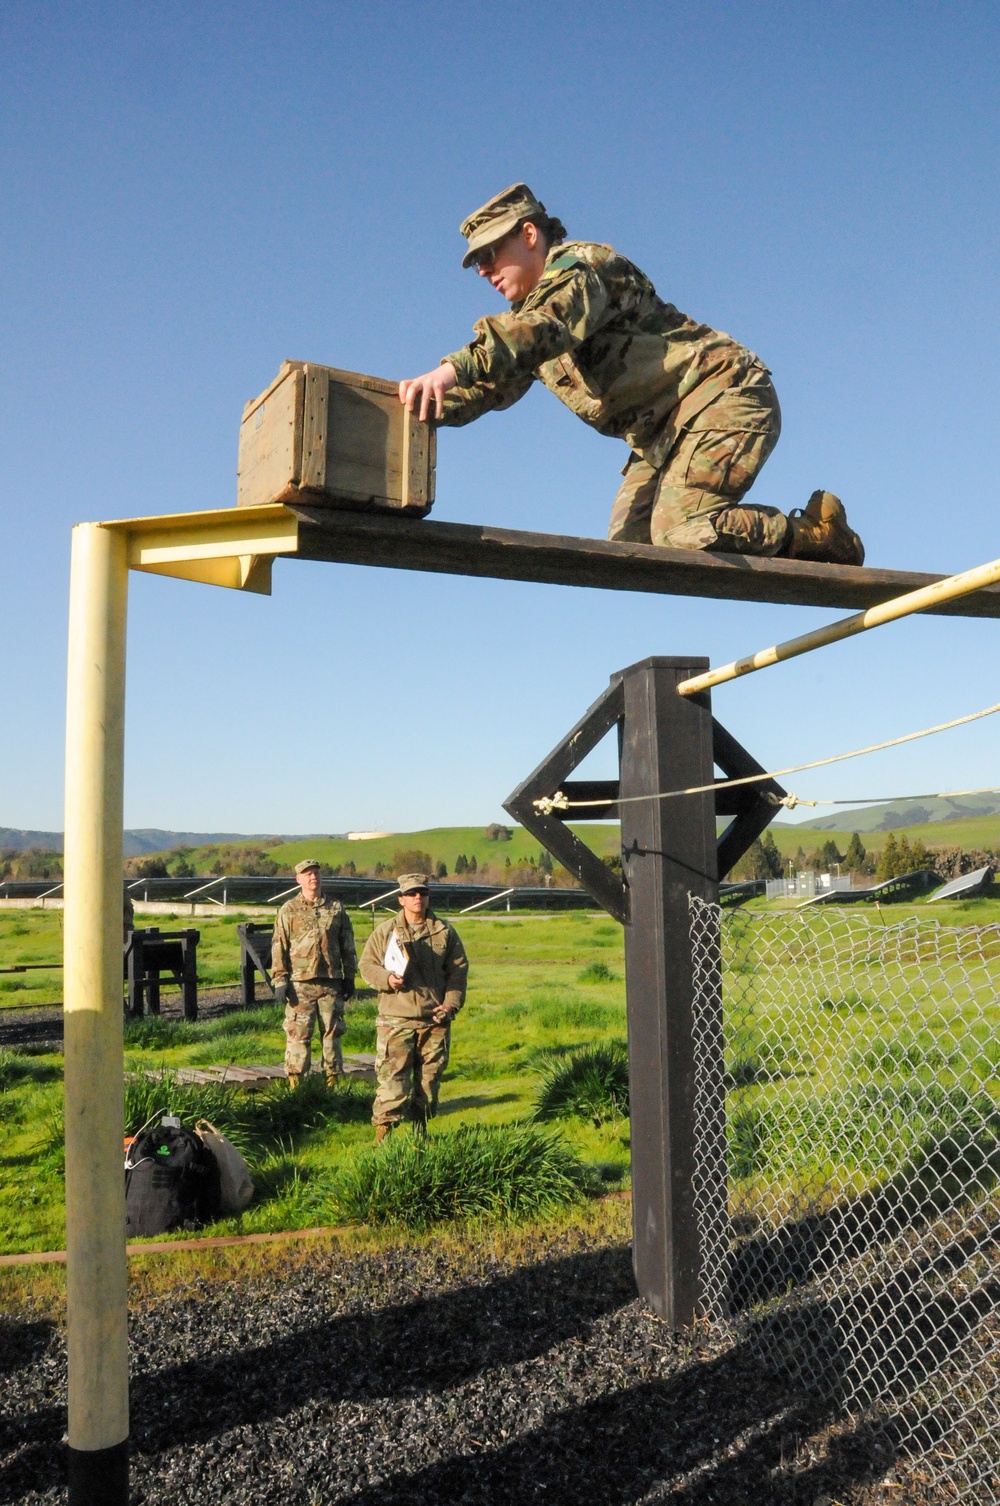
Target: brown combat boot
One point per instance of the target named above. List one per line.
(332, 1078)
(293, 1080)
(382, 1132)
(820, 532)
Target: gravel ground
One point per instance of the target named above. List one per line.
(433, 1375)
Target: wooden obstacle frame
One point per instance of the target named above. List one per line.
(670, 851)
(150, 953)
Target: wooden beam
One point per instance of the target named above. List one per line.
(399, 543)
(668, 855)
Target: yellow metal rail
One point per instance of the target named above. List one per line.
(889, 611)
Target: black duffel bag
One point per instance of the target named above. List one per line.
(171, 1182)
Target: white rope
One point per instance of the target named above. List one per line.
(559, 802)
(793, 800)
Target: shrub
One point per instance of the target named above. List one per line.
(411, 860)
(488, 1171)
(591, 1084)
(257, 1123)
(145, 868)
(597, 972)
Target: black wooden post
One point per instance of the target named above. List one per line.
(248, 990)
(668, 853)
(135, 972)
(189, 974)
(255, 956)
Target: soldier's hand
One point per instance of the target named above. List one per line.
(442, 1015)
(281, 994)
(348, 987)
(395, 981)
(423, 393)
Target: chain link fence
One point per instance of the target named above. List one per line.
(849, 1205)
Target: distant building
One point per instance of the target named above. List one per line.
(807, 885)
(366, 836)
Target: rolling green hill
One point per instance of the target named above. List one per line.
(899, 814)
(971, 832)
(442, 844)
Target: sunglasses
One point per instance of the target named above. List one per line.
(488, 254)
(424, 892)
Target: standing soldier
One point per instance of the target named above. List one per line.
(313, 962)
(419, 966)
(697, 409)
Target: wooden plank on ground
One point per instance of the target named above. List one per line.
(402, 543)
(361, 1064)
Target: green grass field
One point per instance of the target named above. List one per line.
(853, 1040)
(528, 1006)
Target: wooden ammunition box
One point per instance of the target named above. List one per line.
(335, 439)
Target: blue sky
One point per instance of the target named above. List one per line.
(190, 194)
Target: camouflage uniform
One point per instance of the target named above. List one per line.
(697, 409)
(412, 1051)
(313, 951)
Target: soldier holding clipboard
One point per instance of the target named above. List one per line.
(418, 965)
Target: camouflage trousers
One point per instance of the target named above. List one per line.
(311, 999)
(692, 500)
(409, 1060)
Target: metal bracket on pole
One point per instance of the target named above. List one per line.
(670, 851)
(233, 546)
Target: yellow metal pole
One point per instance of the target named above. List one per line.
(94, 1062)
(889, 611)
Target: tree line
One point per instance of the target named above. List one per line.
(898, 856)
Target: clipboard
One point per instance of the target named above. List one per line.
(396, 959)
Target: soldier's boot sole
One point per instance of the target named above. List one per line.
(294, 1078)
(382, 1132)
(332, 1079)
(821, 532)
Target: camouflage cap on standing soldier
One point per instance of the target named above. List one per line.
(502, 214)
(409, 881)
(305, 864)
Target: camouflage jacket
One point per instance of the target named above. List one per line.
(437, 972)
(595, 332)
(313, 941)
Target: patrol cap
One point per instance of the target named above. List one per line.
(409, 881)
(499, 216)
(305, 865)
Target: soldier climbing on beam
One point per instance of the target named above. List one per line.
(698, 410)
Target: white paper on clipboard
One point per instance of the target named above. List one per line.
(395, 959)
